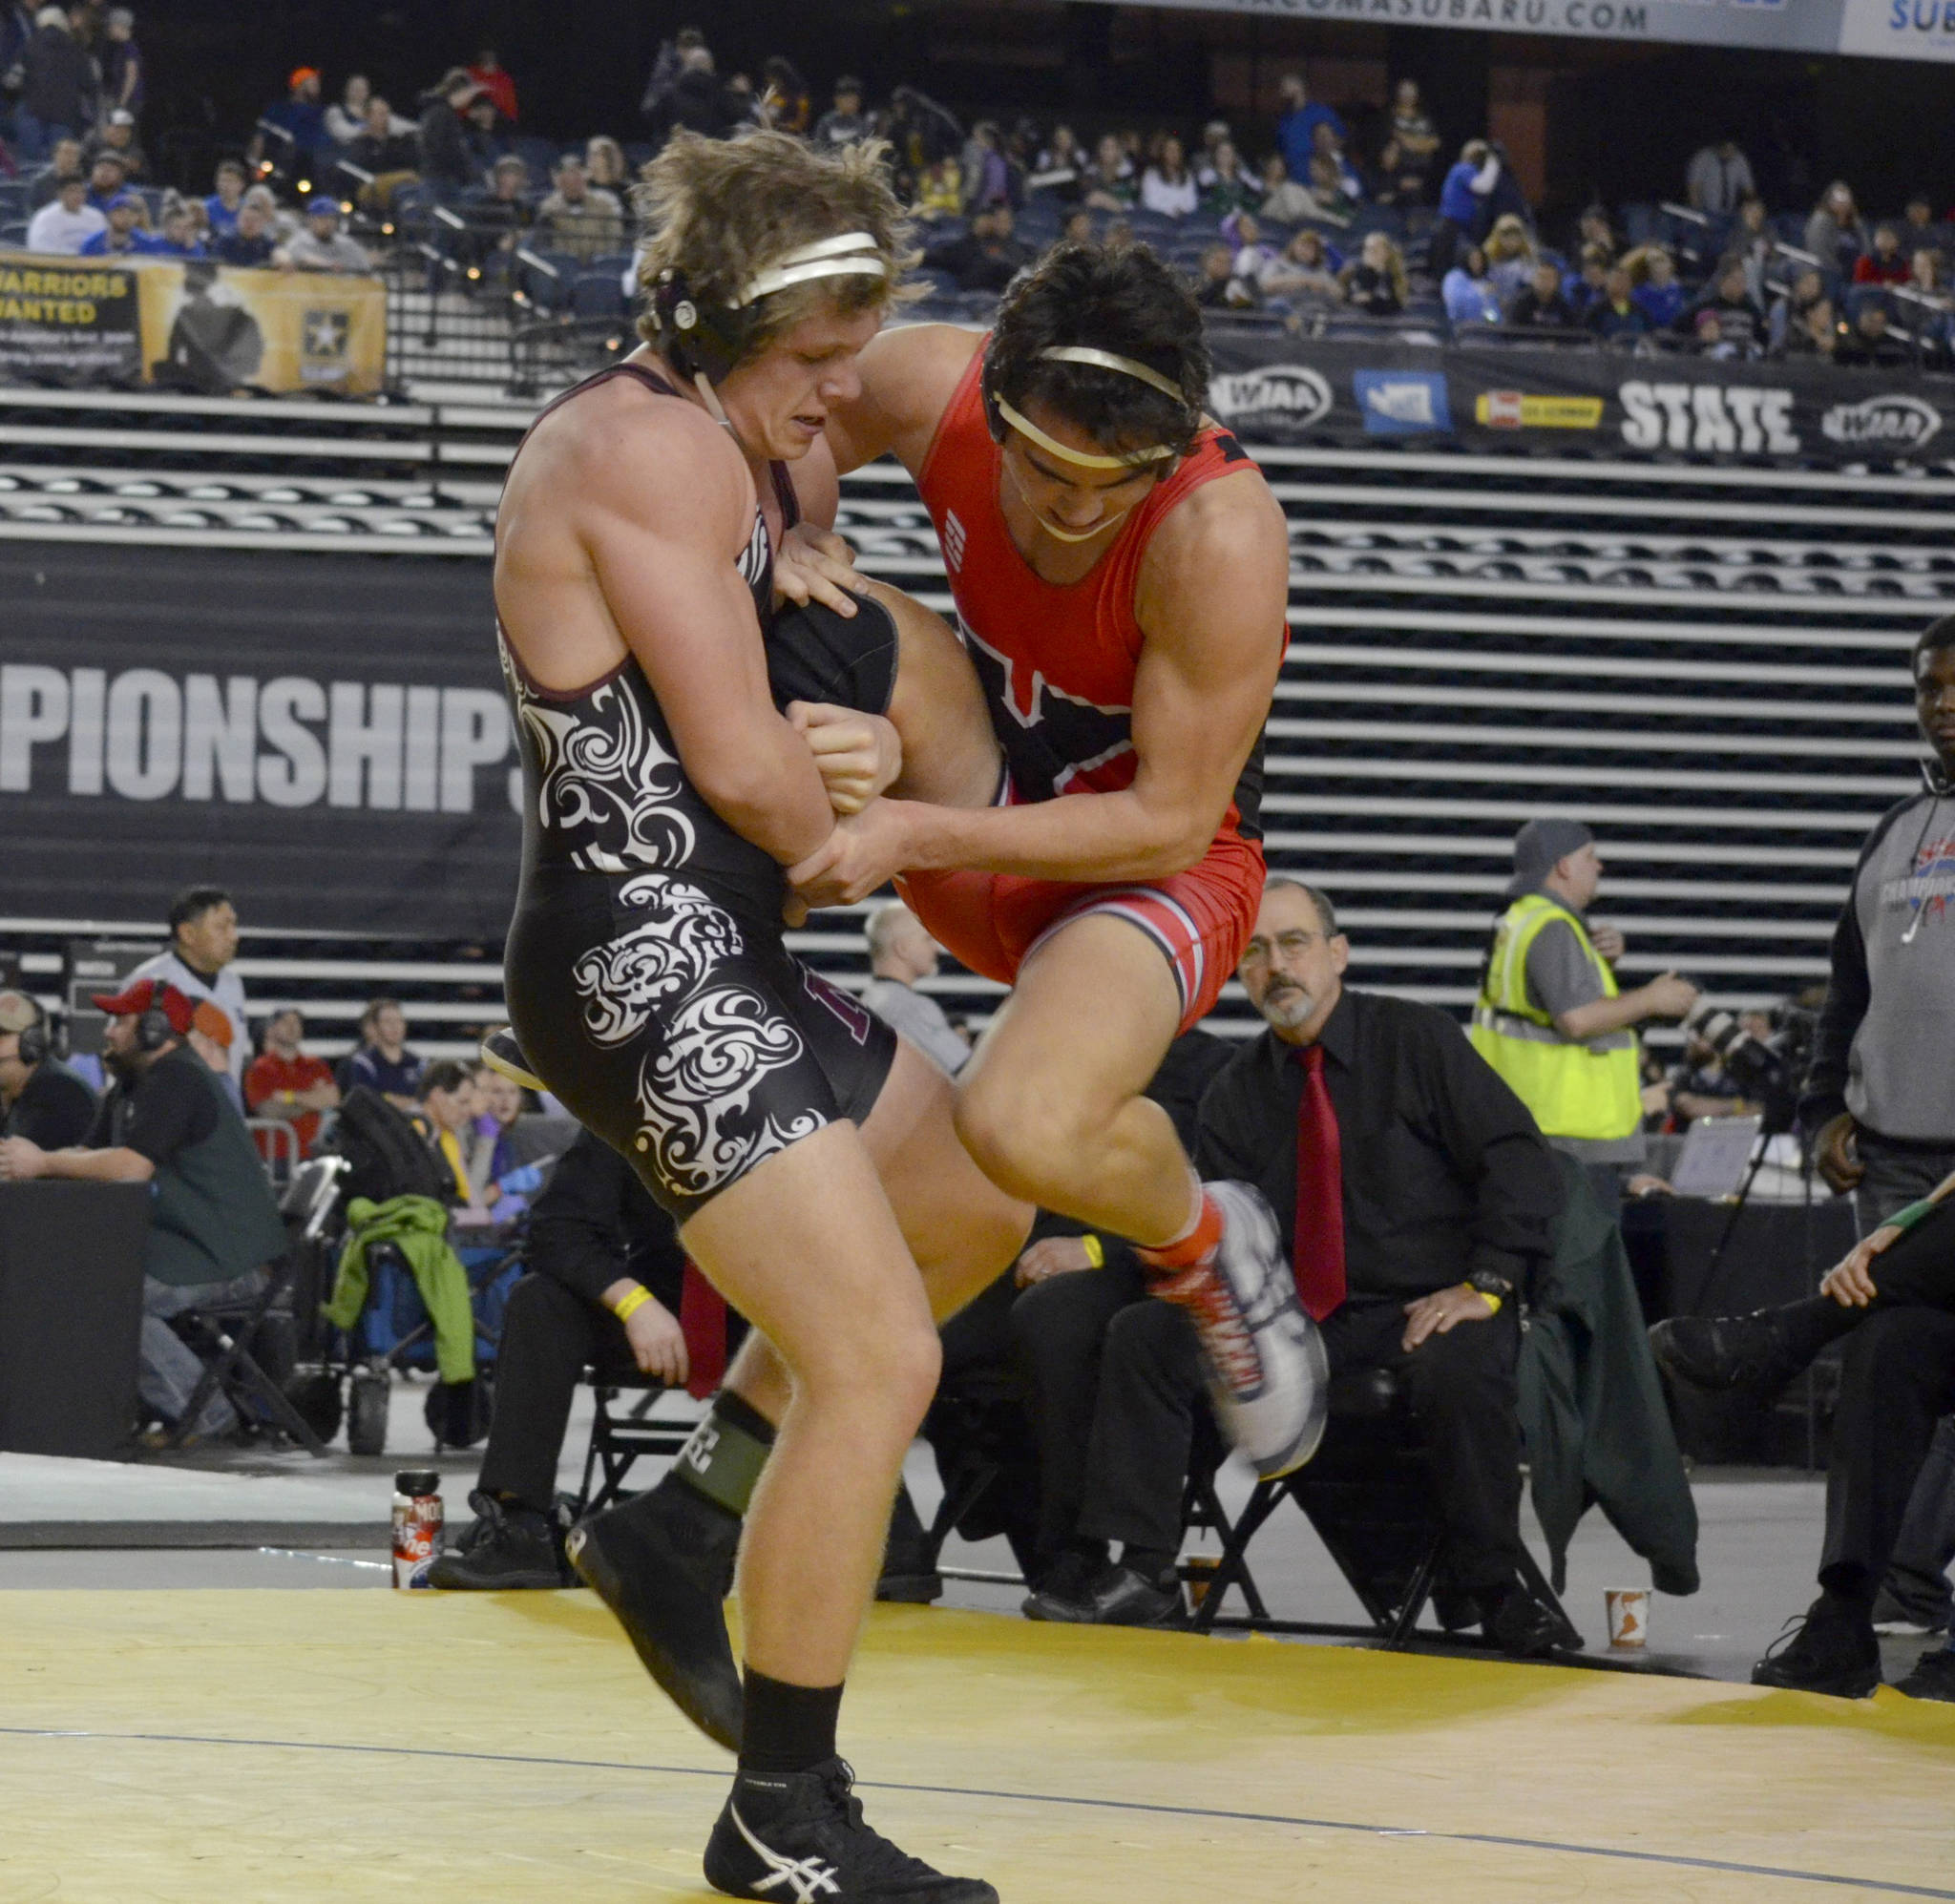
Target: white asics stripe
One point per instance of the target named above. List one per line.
(807, 1877)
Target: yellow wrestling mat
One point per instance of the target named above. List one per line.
(295, 1747)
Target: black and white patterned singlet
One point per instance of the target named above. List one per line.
(646, 973)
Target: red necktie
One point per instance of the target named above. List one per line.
(702, 1322)
(1319, 1192)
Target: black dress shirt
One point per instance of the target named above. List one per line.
(593, 1223)
(1445, 1173)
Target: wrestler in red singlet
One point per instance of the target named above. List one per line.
(1057, 665)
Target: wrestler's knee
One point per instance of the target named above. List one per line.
(1020, 1135)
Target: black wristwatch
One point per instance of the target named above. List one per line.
(1488, 1284)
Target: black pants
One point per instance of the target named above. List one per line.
(1117, 1389)
(549, 1338)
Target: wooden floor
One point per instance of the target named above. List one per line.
(267, 1747)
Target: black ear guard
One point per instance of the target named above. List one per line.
(701, 339)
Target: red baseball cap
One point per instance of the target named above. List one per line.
(148, 994)
(300, 75)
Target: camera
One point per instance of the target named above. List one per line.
(1767, 1068)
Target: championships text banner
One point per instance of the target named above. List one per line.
(326, 736)
(1279, 389)
(189, 324)
(1883, 29)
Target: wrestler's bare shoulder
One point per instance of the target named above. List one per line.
(1223, 551)
(909, 374)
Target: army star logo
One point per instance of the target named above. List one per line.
(326, 333)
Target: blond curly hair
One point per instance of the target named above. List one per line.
(720, 211)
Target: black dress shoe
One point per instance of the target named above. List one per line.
(1522, 1628)
(1764, 1350)
(1117, 1596)
(663, 1564)
(1933, 1676)
(1833, 1650)
(508, 1547)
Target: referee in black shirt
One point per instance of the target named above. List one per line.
(1427, 1195)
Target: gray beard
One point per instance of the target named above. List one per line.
(1292, 1009)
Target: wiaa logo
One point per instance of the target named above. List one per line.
(1892, 420)
(1290, 393)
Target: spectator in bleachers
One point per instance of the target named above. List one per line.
(383, 1061)
(785, 98)
(322, 246)
(605, 165)
(123, 235)
(1254, 256)
(1375, 282)
(986, 174)
(1868, 343)
(901, 956)
(1110, 184)
(1078, 228)
(1585, 286)
(1510, 256)
(249, 243)
(1885, 262)
(487, 135)
(1305, 272)
(1218, 287)
(1283, 199)
(177, 235)
(1740, 322)
(940, 189)
(1705, 332)
(1810, 330)
(694, 100)
(285, 1081)
(1226, 187)
(106, 174)
(1410, 155)
(1753, 246)
(497, 222)
(1463, 194)
(1835, 234)
(346, 120)
(494, 82)
(40, 1099)
(67, 161)
(1718, 179)
(67, 222)
(441, 148)
(125, 77)
(1334, 181)
(1167, 187)
(576, 218)
(1616, 313)
(119, 135)
(1918, 223)
(59, 87)
(1468, 293)
(1215, 134)
(987, 257)
(221, 208)
(299, 141)
(1659, 296)
(1931, 309)
(383, 149)
(1060, 166)
(1296, 129)
(448, 1110)
(844, 122)
(1540, 303)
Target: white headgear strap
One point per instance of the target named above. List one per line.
(853, 254)
(1109, 360)
(1081, 458)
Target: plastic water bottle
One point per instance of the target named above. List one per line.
(417, 1522)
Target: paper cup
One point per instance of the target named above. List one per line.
(1628, 1616)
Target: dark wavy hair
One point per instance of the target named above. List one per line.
(1120, 298)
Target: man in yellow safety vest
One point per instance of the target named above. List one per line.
(1551, 1018)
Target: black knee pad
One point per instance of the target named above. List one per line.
(847, 660)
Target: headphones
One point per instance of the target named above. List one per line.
(153, 1029)
(36, 1042)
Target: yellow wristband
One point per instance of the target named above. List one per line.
(1492, 1301)
(630, 1305)
(1096, 1253)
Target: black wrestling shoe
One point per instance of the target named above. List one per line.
(1116, 1596)
(1764, 1350)
(1833, 1650)
(1933, 1676)
(1522, 1628)
(508, 1547)
(800, 1840)
(501, 1052)
(663, 1564)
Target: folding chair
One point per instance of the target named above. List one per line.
(223, 1335)
(621, 1436)
(1369, 1496)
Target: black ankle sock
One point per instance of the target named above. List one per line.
(723, 1458)
(788, 1728)
(1151, 1563)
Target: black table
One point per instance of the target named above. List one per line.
(71, 1315)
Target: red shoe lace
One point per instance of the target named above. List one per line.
(1201, 1290)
